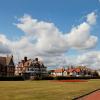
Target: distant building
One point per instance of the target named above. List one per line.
(31, 68)
(57, 72)
(75, 71)
(7, 67)
(72, 71)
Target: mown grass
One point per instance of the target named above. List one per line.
(45, 90)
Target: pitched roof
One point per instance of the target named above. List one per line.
(77, 69)
(5, 60)
(8, 59)
(73, 70)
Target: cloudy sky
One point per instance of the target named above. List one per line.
(59, 32)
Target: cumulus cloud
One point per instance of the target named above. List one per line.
(45, 35)
(45, 40)
(48, 38)
(91, 59)
(80, 38)
(91, 18)
(4, 48)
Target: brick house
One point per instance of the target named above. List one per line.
(29, 68)
(7, 67)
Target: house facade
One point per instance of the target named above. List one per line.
(57, 72)
(7, 67)
(31, 68)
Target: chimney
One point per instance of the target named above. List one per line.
(36, 59)
(25, 59)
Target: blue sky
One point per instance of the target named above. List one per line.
(65, 14)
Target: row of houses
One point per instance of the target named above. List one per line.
(35, 68)
(73, 71)
(26, 67)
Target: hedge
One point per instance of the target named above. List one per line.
(15, 78)
(48, 78)
(67, 78)
(20, 78)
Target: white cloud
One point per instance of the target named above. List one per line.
(91, 59)
(91, 18)
(80, 38)
(4, 47)
(45, 35)
(50, 39)
(45, 40)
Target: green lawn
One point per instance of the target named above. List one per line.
(45, 90)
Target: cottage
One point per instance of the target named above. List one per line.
(7, 67)
(73, 71)
(57, 72)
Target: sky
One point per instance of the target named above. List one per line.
(59, 32)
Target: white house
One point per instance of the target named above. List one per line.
(57, 72)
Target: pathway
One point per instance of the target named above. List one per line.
(93, 96)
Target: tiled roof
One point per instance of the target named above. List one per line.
(8, 59)
(77, 70)
(73, 70)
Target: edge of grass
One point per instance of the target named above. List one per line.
(85, 94)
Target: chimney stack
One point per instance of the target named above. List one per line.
(36, 59)
(25, 59)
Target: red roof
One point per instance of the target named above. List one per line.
(73, 70)
(77, 69)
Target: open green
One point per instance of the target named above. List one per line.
(45, 90)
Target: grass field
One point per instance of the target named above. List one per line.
(45, 90)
